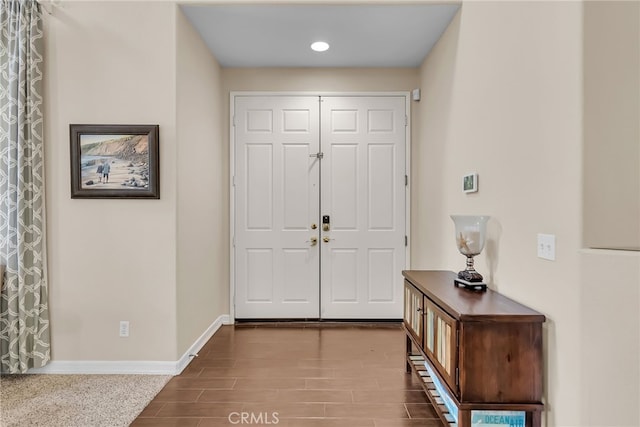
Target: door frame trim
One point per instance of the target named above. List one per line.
(232, 158)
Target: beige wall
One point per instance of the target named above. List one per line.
(320, 79)
(612, 124)
(203, 188)
(610, 279)
(610, 320)
(160, 264)
(110, 260)
(506, 100)
(502, 97)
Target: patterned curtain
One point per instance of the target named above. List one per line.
(24, 314)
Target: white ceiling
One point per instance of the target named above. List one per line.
(381, 35)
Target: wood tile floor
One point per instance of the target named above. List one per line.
(295, 375)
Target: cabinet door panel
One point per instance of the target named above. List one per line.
(413, 309)
(441, 342)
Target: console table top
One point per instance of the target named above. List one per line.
(469, 305)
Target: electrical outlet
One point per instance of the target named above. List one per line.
(124, 328)
(547, 246)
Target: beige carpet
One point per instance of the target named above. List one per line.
(75, 400)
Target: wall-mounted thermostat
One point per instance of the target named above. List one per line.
(470, 183)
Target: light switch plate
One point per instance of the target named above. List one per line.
(124, 328)
(547, 246)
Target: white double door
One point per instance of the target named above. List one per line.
(319, 215)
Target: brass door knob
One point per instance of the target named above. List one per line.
(313, 240)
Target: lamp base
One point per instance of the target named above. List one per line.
(475, 286)
(470, 274)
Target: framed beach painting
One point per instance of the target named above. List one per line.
(115, 161)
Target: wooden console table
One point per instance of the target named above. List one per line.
(478, 353)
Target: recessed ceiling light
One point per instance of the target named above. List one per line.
(320, 46)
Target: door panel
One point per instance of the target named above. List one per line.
(381, 274)
(380, 188)
(259, 186)
(363, 191)
(296, 182)
(277, 200)
(259, 275)
(297, 270)
(343, 275)
(342, 188)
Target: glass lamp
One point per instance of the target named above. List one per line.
(470, 236)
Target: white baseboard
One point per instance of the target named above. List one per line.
(150, 367)
(200, 342)
(106, 367)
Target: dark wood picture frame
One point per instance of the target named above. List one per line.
(115, 161)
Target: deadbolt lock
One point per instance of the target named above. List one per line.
(326, 221)
(314, 226)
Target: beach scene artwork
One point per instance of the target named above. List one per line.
(113, 162)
